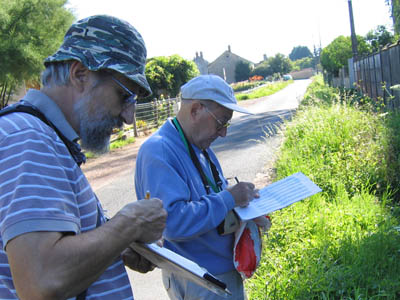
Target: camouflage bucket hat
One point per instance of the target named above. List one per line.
(105, 42)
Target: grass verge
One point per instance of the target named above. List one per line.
(343, 243)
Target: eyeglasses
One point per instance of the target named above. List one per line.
(220, 125)
(131, 98)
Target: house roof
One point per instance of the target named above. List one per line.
(232, 54)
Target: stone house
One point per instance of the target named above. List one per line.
(224, 66)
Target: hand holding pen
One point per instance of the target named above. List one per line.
(243, 192)
(160, 242)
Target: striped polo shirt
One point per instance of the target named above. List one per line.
(43, 189)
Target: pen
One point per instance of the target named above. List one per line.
(237, 180)
(147, 195)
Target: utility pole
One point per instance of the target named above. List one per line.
(353, 33)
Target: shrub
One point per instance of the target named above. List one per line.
(245, 85)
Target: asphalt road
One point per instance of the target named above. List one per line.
(246, 152)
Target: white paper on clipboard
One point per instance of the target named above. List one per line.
(278, 195)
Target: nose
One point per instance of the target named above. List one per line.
(223, 131)
(128, 113)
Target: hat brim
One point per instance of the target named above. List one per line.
(236, 107)
(138, 78)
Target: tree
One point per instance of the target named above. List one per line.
(336, 54)
(379, 38)
(280, 64)
(303, 63)
(167, 74)
(395, 12)
(242, 71)
(30, 30)
(262, 69)
(276, 64)
(300, 52)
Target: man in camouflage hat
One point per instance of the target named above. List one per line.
(55, 239)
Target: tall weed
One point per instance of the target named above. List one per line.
(336, 143)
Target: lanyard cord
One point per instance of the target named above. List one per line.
(206, 181)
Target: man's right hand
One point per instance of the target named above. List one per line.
(243, 193)
(149, 218)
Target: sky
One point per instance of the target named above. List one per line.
(252, 28)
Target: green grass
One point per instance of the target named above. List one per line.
(121, 142)
(343, 243)
(264, 91)
(118, 143)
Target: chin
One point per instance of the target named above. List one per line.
(97, 146)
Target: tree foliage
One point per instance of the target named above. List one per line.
(166, 74)
(379, 38)
(262, 69)
(303, 63)
(336, 54)
(30, 30)
(278, 64)
(300, 52)
(242, 71)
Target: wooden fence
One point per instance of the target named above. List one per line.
(376, 75)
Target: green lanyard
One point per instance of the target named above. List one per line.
(217, 184)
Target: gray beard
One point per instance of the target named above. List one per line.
(95, 131)
(95, 135)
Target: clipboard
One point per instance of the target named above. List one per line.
(167, 259)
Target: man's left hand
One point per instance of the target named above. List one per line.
(136, 262)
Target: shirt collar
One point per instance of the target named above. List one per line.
(52, 112)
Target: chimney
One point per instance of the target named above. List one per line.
(265, 56)
(201, 54)
(229, 48)
(197, 55)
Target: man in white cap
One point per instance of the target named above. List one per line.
(176, 165)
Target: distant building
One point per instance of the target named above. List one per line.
(224, 66)
(201, 63)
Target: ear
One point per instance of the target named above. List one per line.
(196, 109)
(79, 76)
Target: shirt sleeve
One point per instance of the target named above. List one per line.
(191, 212)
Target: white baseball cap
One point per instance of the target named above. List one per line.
(214, 88)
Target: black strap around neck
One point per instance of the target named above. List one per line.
(73, 148)
(217, 185)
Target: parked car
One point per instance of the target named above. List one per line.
(287, 77)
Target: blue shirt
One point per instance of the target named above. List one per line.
(164, 168)
(43, 189)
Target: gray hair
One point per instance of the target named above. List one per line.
(56, 74)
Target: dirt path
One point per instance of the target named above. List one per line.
(101, 169)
